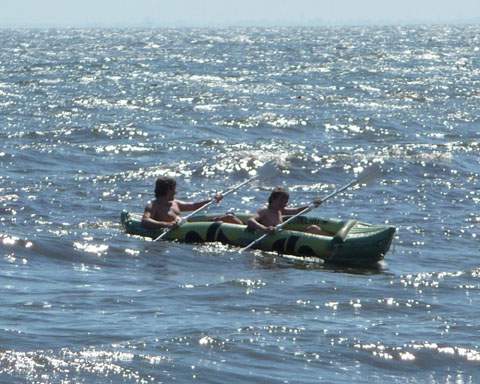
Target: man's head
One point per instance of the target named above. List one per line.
(165, 187)
(278, 198)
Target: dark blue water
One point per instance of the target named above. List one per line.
(89, 119)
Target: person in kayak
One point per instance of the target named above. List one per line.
(268, 218)
(165, 211)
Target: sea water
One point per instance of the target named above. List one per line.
(90, 117)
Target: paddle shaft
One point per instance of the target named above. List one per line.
(206, 205)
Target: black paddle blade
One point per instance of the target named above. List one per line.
(268, 170)
(369, 174)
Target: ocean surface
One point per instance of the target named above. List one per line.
(90, 117)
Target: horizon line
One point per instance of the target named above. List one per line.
(180, 24)
(237, 25)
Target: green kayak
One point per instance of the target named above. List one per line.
(351, 242)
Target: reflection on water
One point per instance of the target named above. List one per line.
(89, 118)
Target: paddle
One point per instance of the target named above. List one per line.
(263, 169)
(365, 177)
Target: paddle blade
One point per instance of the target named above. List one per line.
(369, 174)
(268, 170)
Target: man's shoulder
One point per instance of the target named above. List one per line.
(151, 204)
(263, 211)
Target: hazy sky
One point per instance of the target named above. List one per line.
(230, 12)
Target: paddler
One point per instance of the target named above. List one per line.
(268, 218)
(165, 211)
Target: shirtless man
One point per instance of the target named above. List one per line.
(165, 210)
(268, 218)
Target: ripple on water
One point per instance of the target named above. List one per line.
(89, 118)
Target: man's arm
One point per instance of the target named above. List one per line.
(189, 206)
(294, 211)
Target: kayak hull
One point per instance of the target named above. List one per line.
(350, 243)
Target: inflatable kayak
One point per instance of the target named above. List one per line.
(351, 242)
